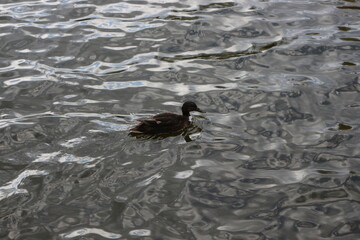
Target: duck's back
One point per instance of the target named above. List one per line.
(162, 123)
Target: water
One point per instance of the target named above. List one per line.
(275, 156)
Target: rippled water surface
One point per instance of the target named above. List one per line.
(275, 156)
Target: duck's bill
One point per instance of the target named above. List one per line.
(199, 110)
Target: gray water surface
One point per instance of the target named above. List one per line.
(275, 156)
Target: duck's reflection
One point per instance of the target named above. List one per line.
(186, 133)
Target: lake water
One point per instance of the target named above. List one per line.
(275, 156)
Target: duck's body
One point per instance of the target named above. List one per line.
(166, 122)
(162, 123)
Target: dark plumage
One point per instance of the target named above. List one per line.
(166, 122)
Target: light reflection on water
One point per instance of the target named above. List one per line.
(275, 156)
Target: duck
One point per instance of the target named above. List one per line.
(166, 123)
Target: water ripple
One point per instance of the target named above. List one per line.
(86, 231)
(275, 155)
(13, 186)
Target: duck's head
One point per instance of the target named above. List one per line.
(189, 107)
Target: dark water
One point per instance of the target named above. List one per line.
(276, 156)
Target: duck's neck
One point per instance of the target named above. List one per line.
(186, 113)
